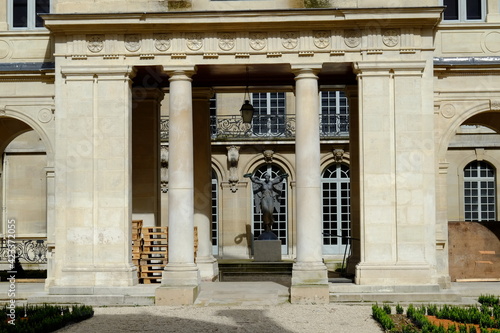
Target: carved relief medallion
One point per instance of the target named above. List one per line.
(390, 37)
(132, 42)
(352, 38)
(4, 49)
(226, 41)
(194, 41)
(257, 40)
(44, 115)
(162, 42)
(95, 43)
(448, 110)
(289, 40)
(321, 39)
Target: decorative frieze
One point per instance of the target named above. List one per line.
(212, 45)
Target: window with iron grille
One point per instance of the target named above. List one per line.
(479, 192)
(334, 112)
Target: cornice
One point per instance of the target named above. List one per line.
(243, 20)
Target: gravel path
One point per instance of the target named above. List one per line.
(284, 318)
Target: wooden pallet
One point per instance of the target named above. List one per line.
(149, 280)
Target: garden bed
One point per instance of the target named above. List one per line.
(443, 319)
(41, 318)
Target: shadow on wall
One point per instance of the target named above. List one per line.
(474, 251)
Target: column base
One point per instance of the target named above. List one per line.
(97, 276)
(208, 267)
(176, 295)
(400, 274)
(310, 294)
(176, 275)
(309, 273)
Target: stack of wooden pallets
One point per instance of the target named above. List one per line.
(154, 254)
(150, 251)
(136, 243)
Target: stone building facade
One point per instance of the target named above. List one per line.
(385, 118)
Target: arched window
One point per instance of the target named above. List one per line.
(479, 192)
(215, 214)
(336, 195)
(280, 214)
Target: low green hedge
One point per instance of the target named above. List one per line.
(42, 318)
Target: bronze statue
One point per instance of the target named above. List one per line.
(267, 194)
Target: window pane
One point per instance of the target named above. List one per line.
(473, 9)
(20, 14)
(41, 7)
(451, 11)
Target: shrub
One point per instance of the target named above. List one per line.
(489, 300)
(382, 317)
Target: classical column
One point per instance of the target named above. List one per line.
(397, 174)
(309, 275)
(146, 155)
(181, 278)
(93, 179)
(206, 262)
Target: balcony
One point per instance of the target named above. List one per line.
(267, 127)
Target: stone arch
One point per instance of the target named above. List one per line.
(456, 123)
(29, 124)
(278, 160)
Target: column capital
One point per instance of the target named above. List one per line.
(99, 71)
(179, 72)
(306, 71)
(387, 68)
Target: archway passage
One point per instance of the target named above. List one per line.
(23, 193)
(472, 185)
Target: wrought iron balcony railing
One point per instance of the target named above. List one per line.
(280, 127)
(26, 250)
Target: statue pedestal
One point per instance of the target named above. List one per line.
(267, 250)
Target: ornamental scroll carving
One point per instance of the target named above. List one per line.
(164, 169)
(233, 156)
